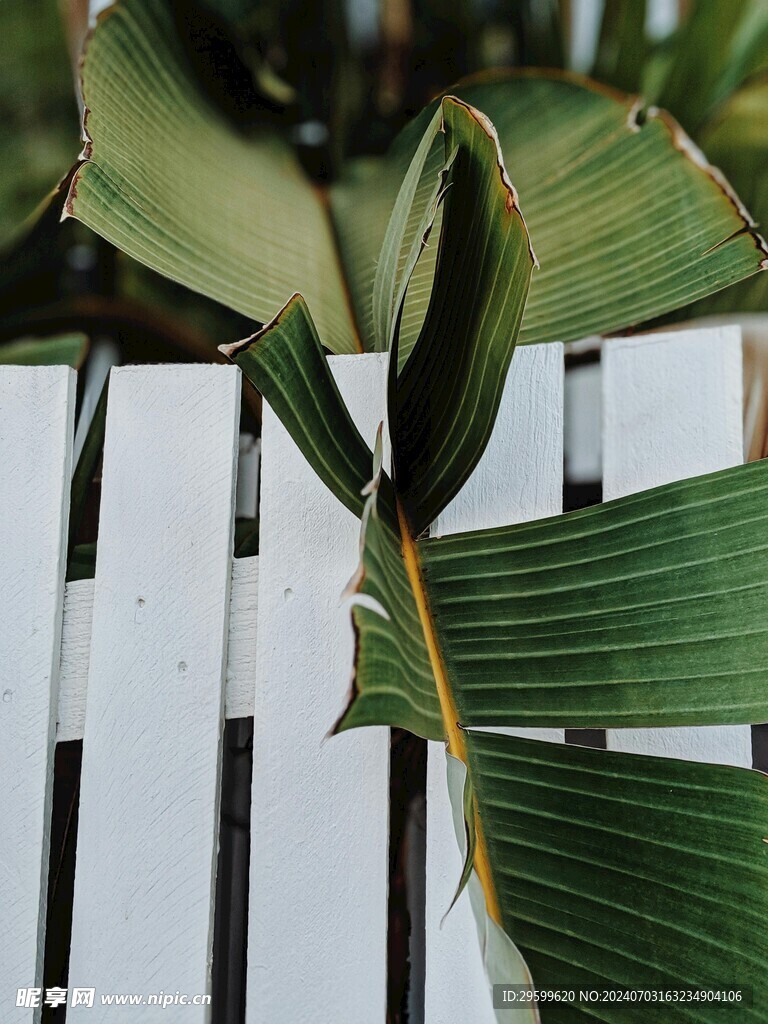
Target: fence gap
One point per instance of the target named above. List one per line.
(61, 873)
(37, 406)
(405, 928)
(760, 747)
(582, 420)
(586, 738)
(231, 921)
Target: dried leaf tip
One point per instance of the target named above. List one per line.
(232, 350)
(85, 135)
(685, 145)
(512, 201)
(68, 208)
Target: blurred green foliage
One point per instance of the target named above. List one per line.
(341, 80)
(38, 110)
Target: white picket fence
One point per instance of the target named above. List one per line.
(145, 662)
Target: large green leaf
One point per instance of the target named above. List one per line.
(170, 181)
(625, 216)
(622, 871)
(443, 403)
(645, 611)
(607, 870)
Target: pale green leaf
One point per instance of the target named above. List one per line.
(407, 234)
(168, 180)
(627, 219)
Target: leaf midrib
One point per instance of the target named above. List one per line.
(456, 741)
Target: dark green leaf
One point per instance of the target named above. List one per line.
(393, 680)
(617, 870)
(286, 362)
(444, 401)
(645, 611)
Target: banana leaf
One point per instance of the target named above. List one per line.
(626, 218)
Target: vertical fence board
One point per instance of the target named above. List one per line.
(673, 409)
(319, 848)
(37, 407)
(519, 478)
(149, 802)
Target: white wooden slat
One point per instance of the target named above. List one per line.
(519, 478)
(36, 432)
(76, 649)
(319, 845)
(148, 829)
(673, 409)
